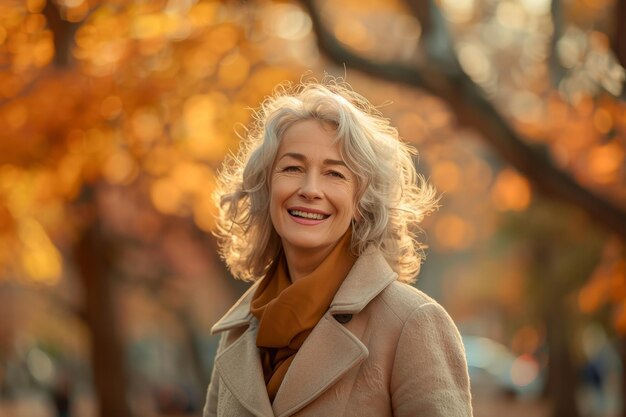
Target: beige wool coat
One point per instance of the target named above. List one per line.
(382, 349)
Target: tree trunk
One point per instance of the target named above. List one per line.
(622, 355)
(562, 378)
(107, 352)
(557, 312)
(193, 344)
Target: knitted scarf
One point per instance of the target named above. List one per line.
(287, 312)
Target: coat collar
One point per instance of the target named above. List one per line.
(318, 362)
(368, 277)
(240, 371)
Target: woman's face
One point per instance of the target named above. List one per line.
(312, 191)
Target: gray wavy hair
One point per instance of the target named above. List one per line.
(392, 198)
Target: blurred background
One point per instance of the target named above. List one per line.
(115, 116)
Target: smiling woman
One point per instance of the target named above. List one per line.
(312, 195)
(330, 326)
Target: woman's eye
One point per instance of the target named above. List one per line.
(291, 169)
(336, 174)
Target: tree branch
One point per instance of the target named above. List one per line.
(557, 71)
(473, 110)
(422, 11)
(435, 38)
(619, 37)
(62, 34)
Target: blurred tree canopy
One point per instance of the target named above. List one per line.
(115, 115)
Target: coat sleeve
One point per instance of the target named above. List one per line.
(210, 406)
(429, 376)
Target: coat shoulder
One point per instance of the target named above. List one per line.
(403, 299)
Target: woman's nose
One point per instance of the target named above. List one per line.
(310, 188)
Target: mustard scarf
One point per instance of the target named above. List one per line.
(287, 312)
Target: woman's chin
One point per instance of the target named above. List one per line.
(306, 245)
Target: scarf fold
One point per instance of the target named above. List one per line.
(287, 312)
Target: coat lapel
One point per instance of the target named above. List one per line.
(239, 365)
(240, 370)
(328, 353)
(239, 314)
(331, 350)
(369, 276)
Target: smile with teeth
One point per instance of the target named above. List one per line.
(306, 215)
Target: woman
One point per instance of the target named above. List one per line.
(321, 208)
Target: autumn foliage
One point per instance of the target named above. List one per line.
(116, 115)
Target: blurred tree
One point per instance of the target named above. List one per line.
(442, 75)
(104, 95)
(562, 248)
(439, 71)
(619, 37)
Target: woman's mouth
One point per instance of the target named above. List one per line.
(308, 215)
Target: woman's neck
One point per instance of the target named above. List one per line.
(301, 263)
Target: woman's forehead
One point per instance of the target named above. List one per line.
(310, 137)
